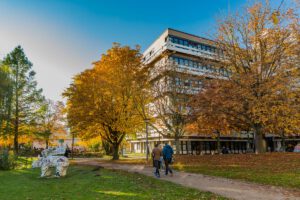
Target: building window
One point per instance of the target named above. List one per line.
(198, 65)
(186, 62)
(187, 83)
(175, 60)
(192, 44)
(177, 81)
(181, 61)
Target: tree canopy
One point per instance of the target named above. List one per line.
(101, 100)
(262, 93)
(24, 96)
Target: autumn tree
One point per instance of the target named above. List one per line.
(50, 120)
(171, 88)
(261, 49)
(101, 100)
(25, 95)
(205, 116)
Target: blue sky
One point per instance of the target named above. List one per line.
(63, 37)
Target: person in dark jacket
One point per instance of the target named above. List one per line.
(67, 152)
(167, 155)
(225, 150)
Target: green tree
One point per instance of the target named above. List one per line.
(50, 120)
(6, 86)
(25, 96)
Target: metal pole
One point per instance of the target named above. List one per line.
(147, 147)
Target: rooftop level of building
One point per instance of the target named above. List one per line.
(178, 41)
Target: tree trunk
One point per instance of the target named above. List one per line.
(47, 143)
(260, 143)
(177, 144)
(283, 141)
(73, 138)
(16, 131)
(115, 151)
(107, 147)
(16, 136)
(1, 122)
(218, 142)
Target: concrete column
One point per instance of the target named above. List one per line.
(279, 146)
(142, 147)
(189, 147)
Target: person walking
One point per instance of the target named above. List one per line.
(167, 155)
(156, 153)
(67, 152)
(162, 163)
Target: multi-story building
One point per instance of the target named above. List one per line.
(197, 58)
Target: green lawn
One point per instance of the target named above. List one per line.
(279, 169)
(263, 176)
(89, 183)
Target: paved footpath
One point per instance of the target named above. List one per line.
(229, 188)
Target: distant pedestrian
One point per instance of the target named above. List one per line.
(67, 152)
(156, 153)
(225, 150)
(167, 155)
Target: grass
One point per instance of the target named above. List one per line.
(24, 162)
(279, 169)
(83, 182)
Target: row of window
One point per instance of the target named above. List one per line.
(192, 44)
(198, 65)
(187, 83)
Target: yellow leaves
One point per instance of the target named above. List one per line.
(262, 90)
(275, 17)
(8, 141)
(89, 142)
(102, 99)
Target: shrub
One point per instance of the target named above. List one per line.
(7, 160)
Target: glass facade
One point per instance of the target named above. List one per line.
(192, 44)
(188, 82)
(197, 65)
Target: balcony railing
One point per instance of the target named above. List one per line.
(180, 48)
(191, 50)
(200, 72)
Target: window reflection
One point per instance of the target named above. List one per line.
(192, 44)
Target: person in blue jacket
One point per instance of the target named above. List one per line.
(167, 155)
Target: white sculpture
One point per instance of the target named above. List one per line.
(52, 157)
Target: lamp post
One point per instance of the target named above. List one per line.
(147, 146)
